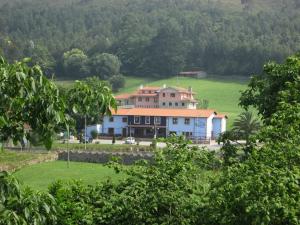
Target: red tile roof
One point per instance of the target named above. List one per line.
(123, 96)
(145, 95)
(221, 116)
(164, 112)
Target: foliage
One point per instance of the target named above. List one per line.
(28, 99)
(162, 192)
(245, 125)
(24, 207)
(105, 65)
(265, 91)
(94, 134)
(221, 37)
(90, 98)
(117, 82)
(75, 63)
(203, 104)
(264, 189)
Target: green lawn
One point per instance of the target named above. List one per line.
(222, 93)
(39, 176)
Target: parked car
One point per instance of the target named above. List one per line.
(86, 139)
(130, 140)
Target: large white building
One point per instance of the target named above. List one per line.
(161, 122)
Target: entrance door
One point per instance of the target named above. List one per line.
(111, 131)
(124, 132)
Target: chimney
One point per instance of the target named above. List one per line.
(141, 86)
(190, 89)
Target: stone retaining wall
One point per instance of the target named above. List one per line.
(127, 158)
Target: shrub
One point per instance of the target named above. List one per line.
(94, 134)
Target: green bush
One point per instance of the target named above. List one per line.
(94, 134)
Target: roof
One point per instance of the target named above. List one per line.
(123, 96)
(144, 95)
(221, 116)
(204, 113)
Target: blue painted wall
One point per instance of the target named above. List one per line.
(197, 126)
(117, 124)
(217, 127)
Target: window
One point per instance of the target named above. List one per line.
(140, 99)
(175, 120)
(155, 100)
(137, 120)
(147, 120)
(164, 94)
(147, 99)
(143, 92)
(187, 121)
(172, 95)
(182, 104)
(170, 103)
(111, 119)
(111, 131)
(176, 103)
(164, 104)
(157, 120)
(124, 119)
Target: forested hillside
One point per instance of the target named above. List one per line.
(149, 37)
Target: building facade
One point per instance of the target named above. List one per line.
(161, 122)
(159, 97)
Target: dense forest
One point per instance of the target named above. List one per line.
(77, 38)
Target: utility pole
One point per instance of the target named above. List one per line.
(85, 132)
(68, 135)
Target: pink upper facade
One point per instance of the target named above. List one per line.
(159, 97)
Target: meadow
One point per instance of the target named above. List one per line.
(40, 176)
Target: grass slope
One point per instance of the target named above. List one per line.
(39, 176)
(13, 160)
(222, 93)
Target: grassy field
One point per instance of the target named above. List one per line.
(12, 160)
(222, 94)
(39, 176)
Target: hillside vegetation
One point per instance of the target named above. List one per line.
(150, 37)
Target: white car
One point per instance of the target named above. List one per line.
(130, 140)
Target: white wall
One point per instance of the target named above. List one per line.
(209, 128)
(96, 127)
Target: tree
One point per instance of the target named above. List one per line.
(246, 125)
(117, 82)
(105, 65)
(264, 91)
(91, 98)
(163, 191)
(24, 206)
(166, 52)
(28, 99)
(75, 63)
(41, 56)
